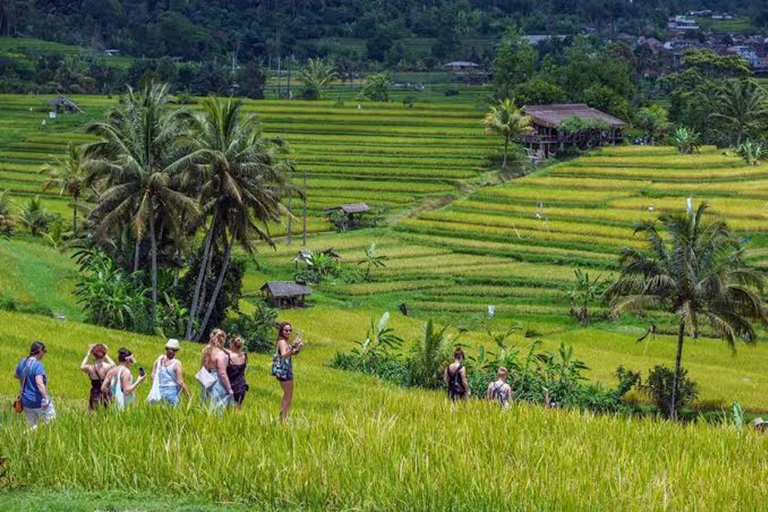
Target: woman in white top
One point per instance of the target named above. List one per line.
(168, 372)
(119, 381)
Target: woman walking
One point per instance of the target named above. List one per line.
(168, 377)
(119, 383)
(282, 364)
(97, 372)
(34, 399)
(456, 377)
(237, 362)
(217, 391)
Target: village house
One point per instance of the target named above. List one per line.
(549, 137)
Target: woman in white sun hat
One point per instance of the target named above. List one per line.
(168, 376)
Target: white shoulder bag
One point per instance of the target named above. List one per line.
(205, 378)
(154, 392)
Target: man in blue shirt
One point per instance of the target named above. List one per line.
(34, 387)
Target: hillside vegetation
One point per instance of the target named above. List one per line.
(354, 443)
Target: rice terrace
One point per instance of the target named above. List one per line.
(339, 256)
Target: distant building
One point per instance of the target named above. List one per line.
(682, 24)
(460, 65)
(112, 53)
(347, 216)
(285, 294)
(63, 105)
(549, 137)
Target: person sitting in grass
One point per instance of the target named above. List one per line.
(282, 364)
(97, 372)
(456, 377)
(167, 375)
(217, 391)
(237, 362)
(119, 380)
(34, 387)
(499, 391)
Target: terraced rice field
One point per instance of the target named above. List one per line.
(515, 246)
(386, 155)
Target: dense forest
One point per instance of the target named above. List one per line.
(201, 29)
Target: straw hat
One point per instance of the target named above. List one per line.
(173, 344)
(760, 423)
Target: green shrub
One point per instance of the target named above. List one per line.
(257, 329)
(659, 388)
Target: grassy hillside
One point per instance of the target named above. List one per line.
(353, 443)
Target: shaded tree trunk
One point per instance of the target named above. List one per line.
(219, 283)
(153, 256)
(676, 377)
(75, 196)
(201, 275)
(304, 213)
(506, 145)
(136, 254)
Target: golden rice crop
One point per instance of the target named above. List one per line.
(537, 194)
(584, 183)
(726, 207)
(663, 161)
(663, 174)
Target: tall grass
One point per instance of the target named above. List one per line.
(354, 443)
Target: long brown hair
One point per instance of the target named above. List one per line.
(280, 328)
(217, 339)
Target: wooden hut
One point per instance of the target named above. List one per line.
(347, 216)
(63, 105)
(285, 294)
(548, 136)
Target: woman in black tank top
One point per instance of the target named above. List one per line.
(237, 363)
(96, 372)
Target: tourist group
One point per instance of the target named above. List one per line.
(221, 376)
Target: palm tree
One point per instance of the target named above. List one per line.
(508, 121)
(6, 219)
(137, 160)
(68, 174)
(242, 178)
(315, 76)
(653, 120)
(35, 216)
(740, 104)
(695, 270)
(372, 260)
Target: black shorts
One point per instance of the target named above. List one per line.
(239, 396)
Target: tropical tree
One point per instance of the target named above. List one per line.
(654, 121)
(740, 104)
(508, 121)
(375, 88)
(68, 175)
(6, 219)
(429, 356)
(686, 140)
(584, 291)
(35, 216)
(696, 271)
(241, 175)
(136, 162)
(315, 76)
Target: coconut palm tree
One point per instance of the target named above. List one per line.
(696, 271)
(68, 174)
(740, 104)
(136, 163)
(508, 121)
(315, 76)
(686, 140)
(653, 120)
(242, 179)
(6, 219)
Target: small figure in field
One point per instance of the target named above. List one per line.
(217, 390)
(33, 395)
(456, 377)
(119, 380)
(282, 364)
(237, 362)
(97, 372)
(760, 425)
(168, 377)
(499, 391)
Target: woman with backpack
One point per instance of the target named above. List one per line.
(282, 364)
(456, 377)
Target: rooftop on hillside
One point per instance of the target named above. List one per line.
(552, 116)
